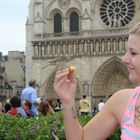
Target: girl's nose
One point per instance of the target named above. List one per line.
(125, 58)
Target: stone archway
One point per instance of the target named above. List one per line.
(110, 77)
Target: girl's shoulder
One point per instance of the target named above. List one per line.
(122, 95)
(118, 102)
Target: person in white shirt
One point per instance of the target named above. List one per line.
(100, 105)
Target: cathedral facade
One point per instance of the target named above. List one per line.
(89, 34)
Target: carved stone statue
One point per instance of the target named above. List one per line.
(63, 3)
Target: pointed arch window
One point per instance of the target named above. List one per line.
(57, 23)
(74, 22)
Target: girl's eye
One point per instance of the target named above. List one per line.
(133, 53)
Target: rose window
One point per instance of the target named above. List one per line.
(117, 13)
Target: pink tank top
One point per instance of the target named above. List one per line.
(129, 131)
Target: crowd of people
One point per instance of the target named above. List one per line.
(15, 107)
(28, 104)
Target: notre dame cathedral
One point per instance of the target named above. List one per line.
(89, 34)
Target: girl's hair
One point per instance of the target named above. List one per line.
(135, 29)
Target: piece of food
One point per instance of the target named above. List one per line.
(71, 69)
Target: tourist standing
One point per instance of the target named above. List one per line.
(100, 105)
(58, 106)
(30, 94)
(84, 105)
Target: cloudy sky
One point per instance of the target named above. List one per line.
(13, 15)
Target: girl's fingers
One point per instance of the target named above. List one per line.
(60, 75)
(63, 75)
(62, 70)
(62, 81)
(72, 77)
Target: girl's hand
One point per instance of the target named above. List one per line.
(65, 85)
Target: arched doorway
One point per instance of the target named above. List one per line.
(110, 77)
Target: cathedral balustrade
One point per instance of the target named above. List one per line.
(76, 46)
(85, 33)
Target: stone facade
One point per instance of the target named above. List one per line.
(12, 74)
(15, 70)
(89, 34)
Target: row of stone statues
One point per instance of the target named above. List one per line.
(76, 48)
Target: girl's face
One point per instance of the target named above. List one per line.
(132, 58)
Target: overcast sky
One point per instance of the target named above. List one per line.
(13, 15)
